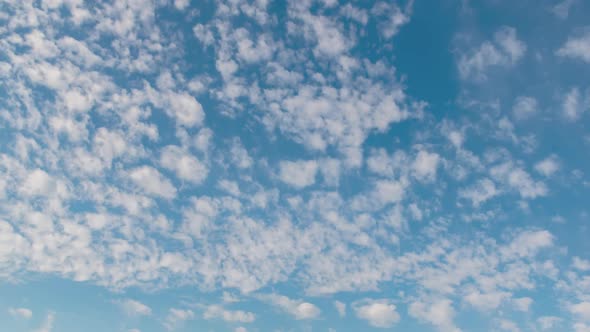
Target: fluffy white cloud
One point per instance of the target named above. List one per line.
(379, 313)
(548, 166)
(505, 51)
(297, 308)
(439, 313)
(524, 107)
(482, 191)
(184, 164)
(218, 312)
(298, 174)
(152, 182)
(582, 310)
(425, 165)
(573, 104)
(176, 317)
(134, 308)
(577, 47)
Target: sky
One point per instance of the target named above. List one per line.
(294, 165)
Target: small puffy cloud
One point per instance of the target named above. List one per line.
(240, 329)
(577, 47)
(38, 183)
(176, 317)
(548, 322)
(482, 191)
(486, 301)
(20, 313)
(439, 313)
(299, 309)
(152, 182)
(134, 308)
(379, 313)
(298, 174)
(573, 104)
(506, 325)
(184, 164)
(581, 264)
(547, 166)
(425, 165)
(218, 312)
(524, 107)
(581, 310)
(522, 304)
(186, 109)
(506, 50)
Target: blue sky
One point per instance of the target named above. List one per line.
(311, 165)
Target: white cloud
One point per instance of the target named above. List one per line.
(218, 312)
(548, 322)
(581, 264)
(486, 301)
(20, 312)
(524, 107)
(577, 47)
(425, 165)
(177, 317)
(522, 304)
(506, 325)
(186, 109)
(186, 166)
(548, 166)
(439, 313)
(341, 308)
(481, 192)
(379, 313)
(505, 51)
(152, 182)
(581, 310)
(573, 104)
(298, 174)
(134, 308)
(299, 309)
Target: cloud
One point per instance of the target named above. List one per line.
(177, 317)
(298, 174)
(184, 164)
(577, 46)
(299, 309)
(548, 166)
(218, 312)
(439, 313)
(581, 310)
(548, 322)
(524, 107)
(47, 324)
(379, 313)
(20, 312)
(573, 104)
(341, 308)
(425, 165)
(481, 192)
(134, 308)
(505, 51)
(151, 181)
